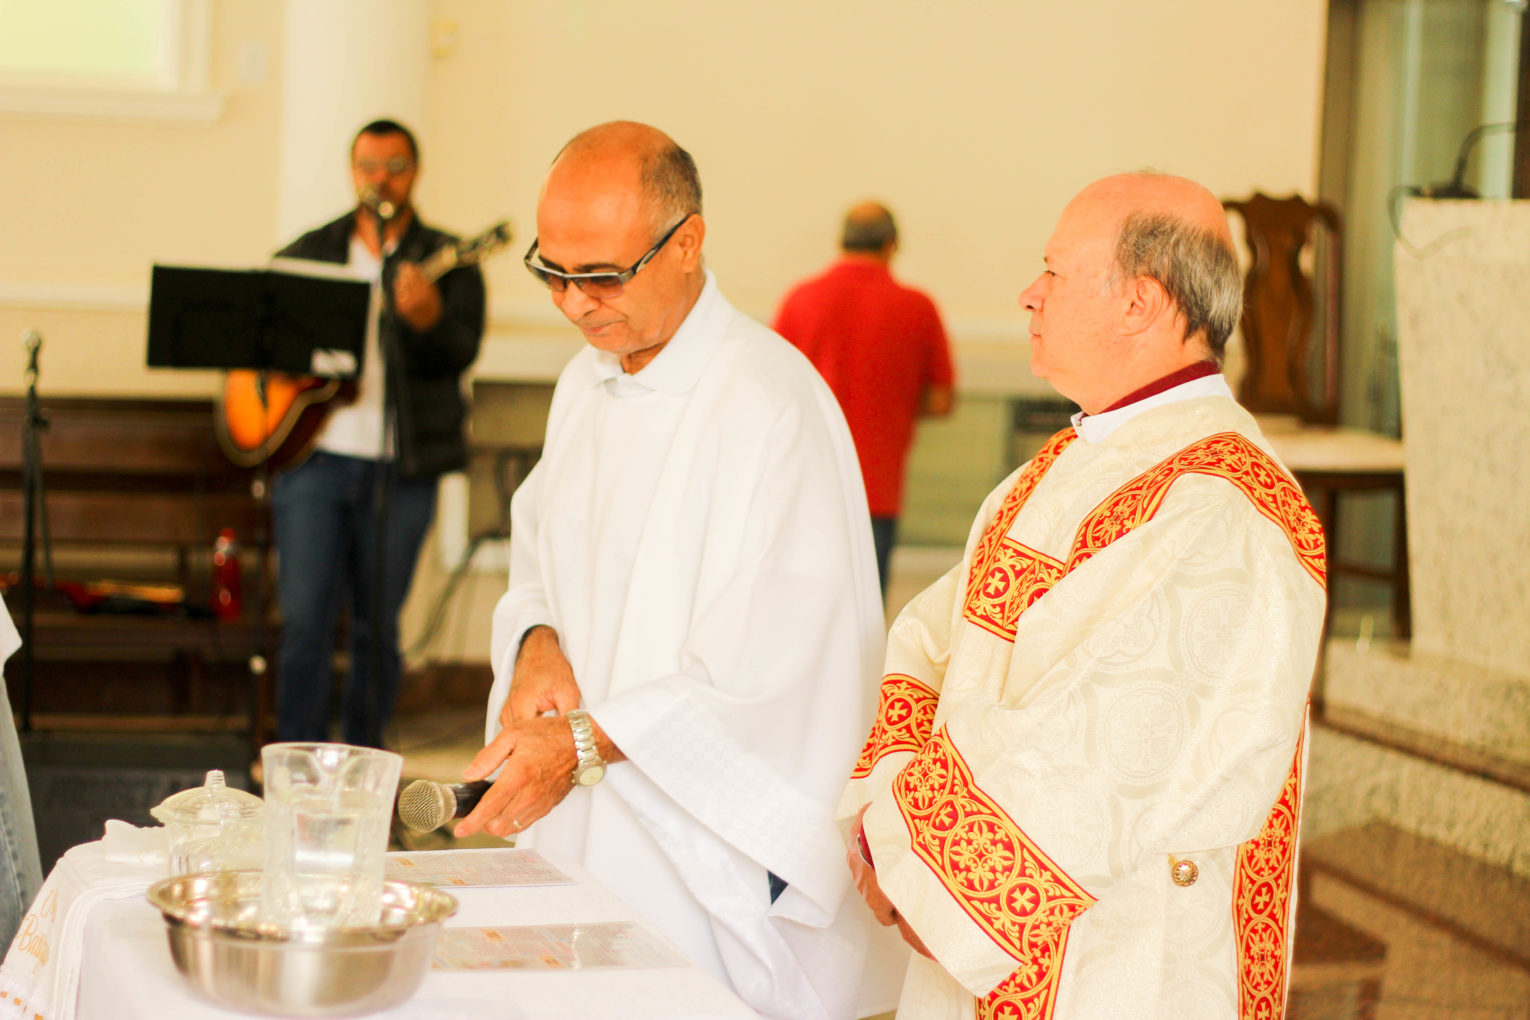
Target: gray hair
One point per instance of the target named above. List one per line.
(1195, 266)
(671, 185)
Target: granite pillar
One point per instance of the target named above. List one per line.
(1448, 716)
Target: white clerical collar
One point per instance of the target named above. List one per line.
(1096, 428)
(678, 365)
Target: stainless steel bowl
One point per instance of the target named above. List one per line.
(233, 958)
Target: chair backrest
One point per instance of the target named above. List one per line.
(1293, 361)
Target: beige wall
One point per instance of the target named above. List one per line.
(974, 119)
(88, 203)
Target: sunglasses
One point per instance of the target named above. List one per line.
(601, 285)
(394, 167)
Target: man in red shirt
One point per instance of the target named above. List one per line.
(882, 350)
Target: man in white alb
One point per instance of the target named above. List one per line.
(1080, 796)
(691, 563)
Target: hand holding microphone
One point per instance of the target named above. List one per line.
(546, 747)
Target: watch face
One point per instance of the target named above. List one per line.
(591, 774)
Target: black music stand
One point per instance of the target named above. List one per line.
(294, 316)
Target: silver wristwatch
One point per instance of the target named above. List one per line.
(590, 768)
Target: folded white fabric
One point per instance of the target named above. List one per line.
(41, 972)
(128, 844)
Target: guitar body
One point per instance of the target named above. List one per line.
(274, 418)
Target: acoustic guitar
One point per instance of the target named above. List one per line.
(111, 596)
(274, 418)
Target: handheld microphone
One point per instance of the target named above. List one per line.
(426, 804)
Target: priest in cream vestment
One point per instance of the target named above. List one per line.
(691, 565)
(1080, 796)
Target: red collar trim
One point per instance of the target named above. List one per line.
(1199, 370)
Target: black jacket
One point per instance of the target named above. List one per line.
(424, 370)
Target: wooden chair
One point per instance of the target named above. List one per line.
(1291, 319)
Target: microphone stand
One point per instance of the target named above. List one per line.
(35, 511)
(381, 486)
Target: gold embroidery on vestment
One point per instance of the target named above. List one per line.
(1014, 892)
(1261, 904)
(1005, 577)
(905, 718)
(1004, 882)
(1226, 455)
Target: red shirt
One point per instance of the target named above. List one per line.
(878, 345)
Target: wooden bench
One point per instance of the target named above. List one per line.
(137, 490)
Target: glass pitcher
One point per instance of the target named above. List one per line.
(328, 808)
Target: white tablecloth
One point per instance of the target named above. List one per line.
(127, 973)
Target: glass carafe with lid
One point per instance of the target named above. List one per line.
(212, 827)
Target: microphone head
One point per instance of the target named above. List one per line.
(425, 805)
(379, 206)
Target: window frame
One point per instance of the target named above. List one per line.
(178, 91)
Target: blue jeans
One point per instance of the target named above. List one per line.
(884, 532)
(326, 539)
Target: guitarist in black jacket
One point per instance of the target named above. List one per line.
(406, 423)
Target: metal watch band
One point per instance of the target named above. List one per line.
(584, 740)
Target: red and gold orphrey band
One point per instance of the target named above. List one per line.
(1005, 882)
(905, 718)
(1225, 455)
(990, 867)
(1261, 904)
(1014, 576)
(992, 568)
(906, 707)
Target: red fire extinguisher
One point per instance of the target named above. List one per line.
(227, 602)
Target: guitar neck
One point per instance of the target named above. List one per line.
(466, 253)
(439, 264)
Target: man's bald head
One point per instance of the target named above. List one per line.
(1141, 281)
(663, 174)
(869, 230)
(1175, 231)
(623, 201)
(1147, 191)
